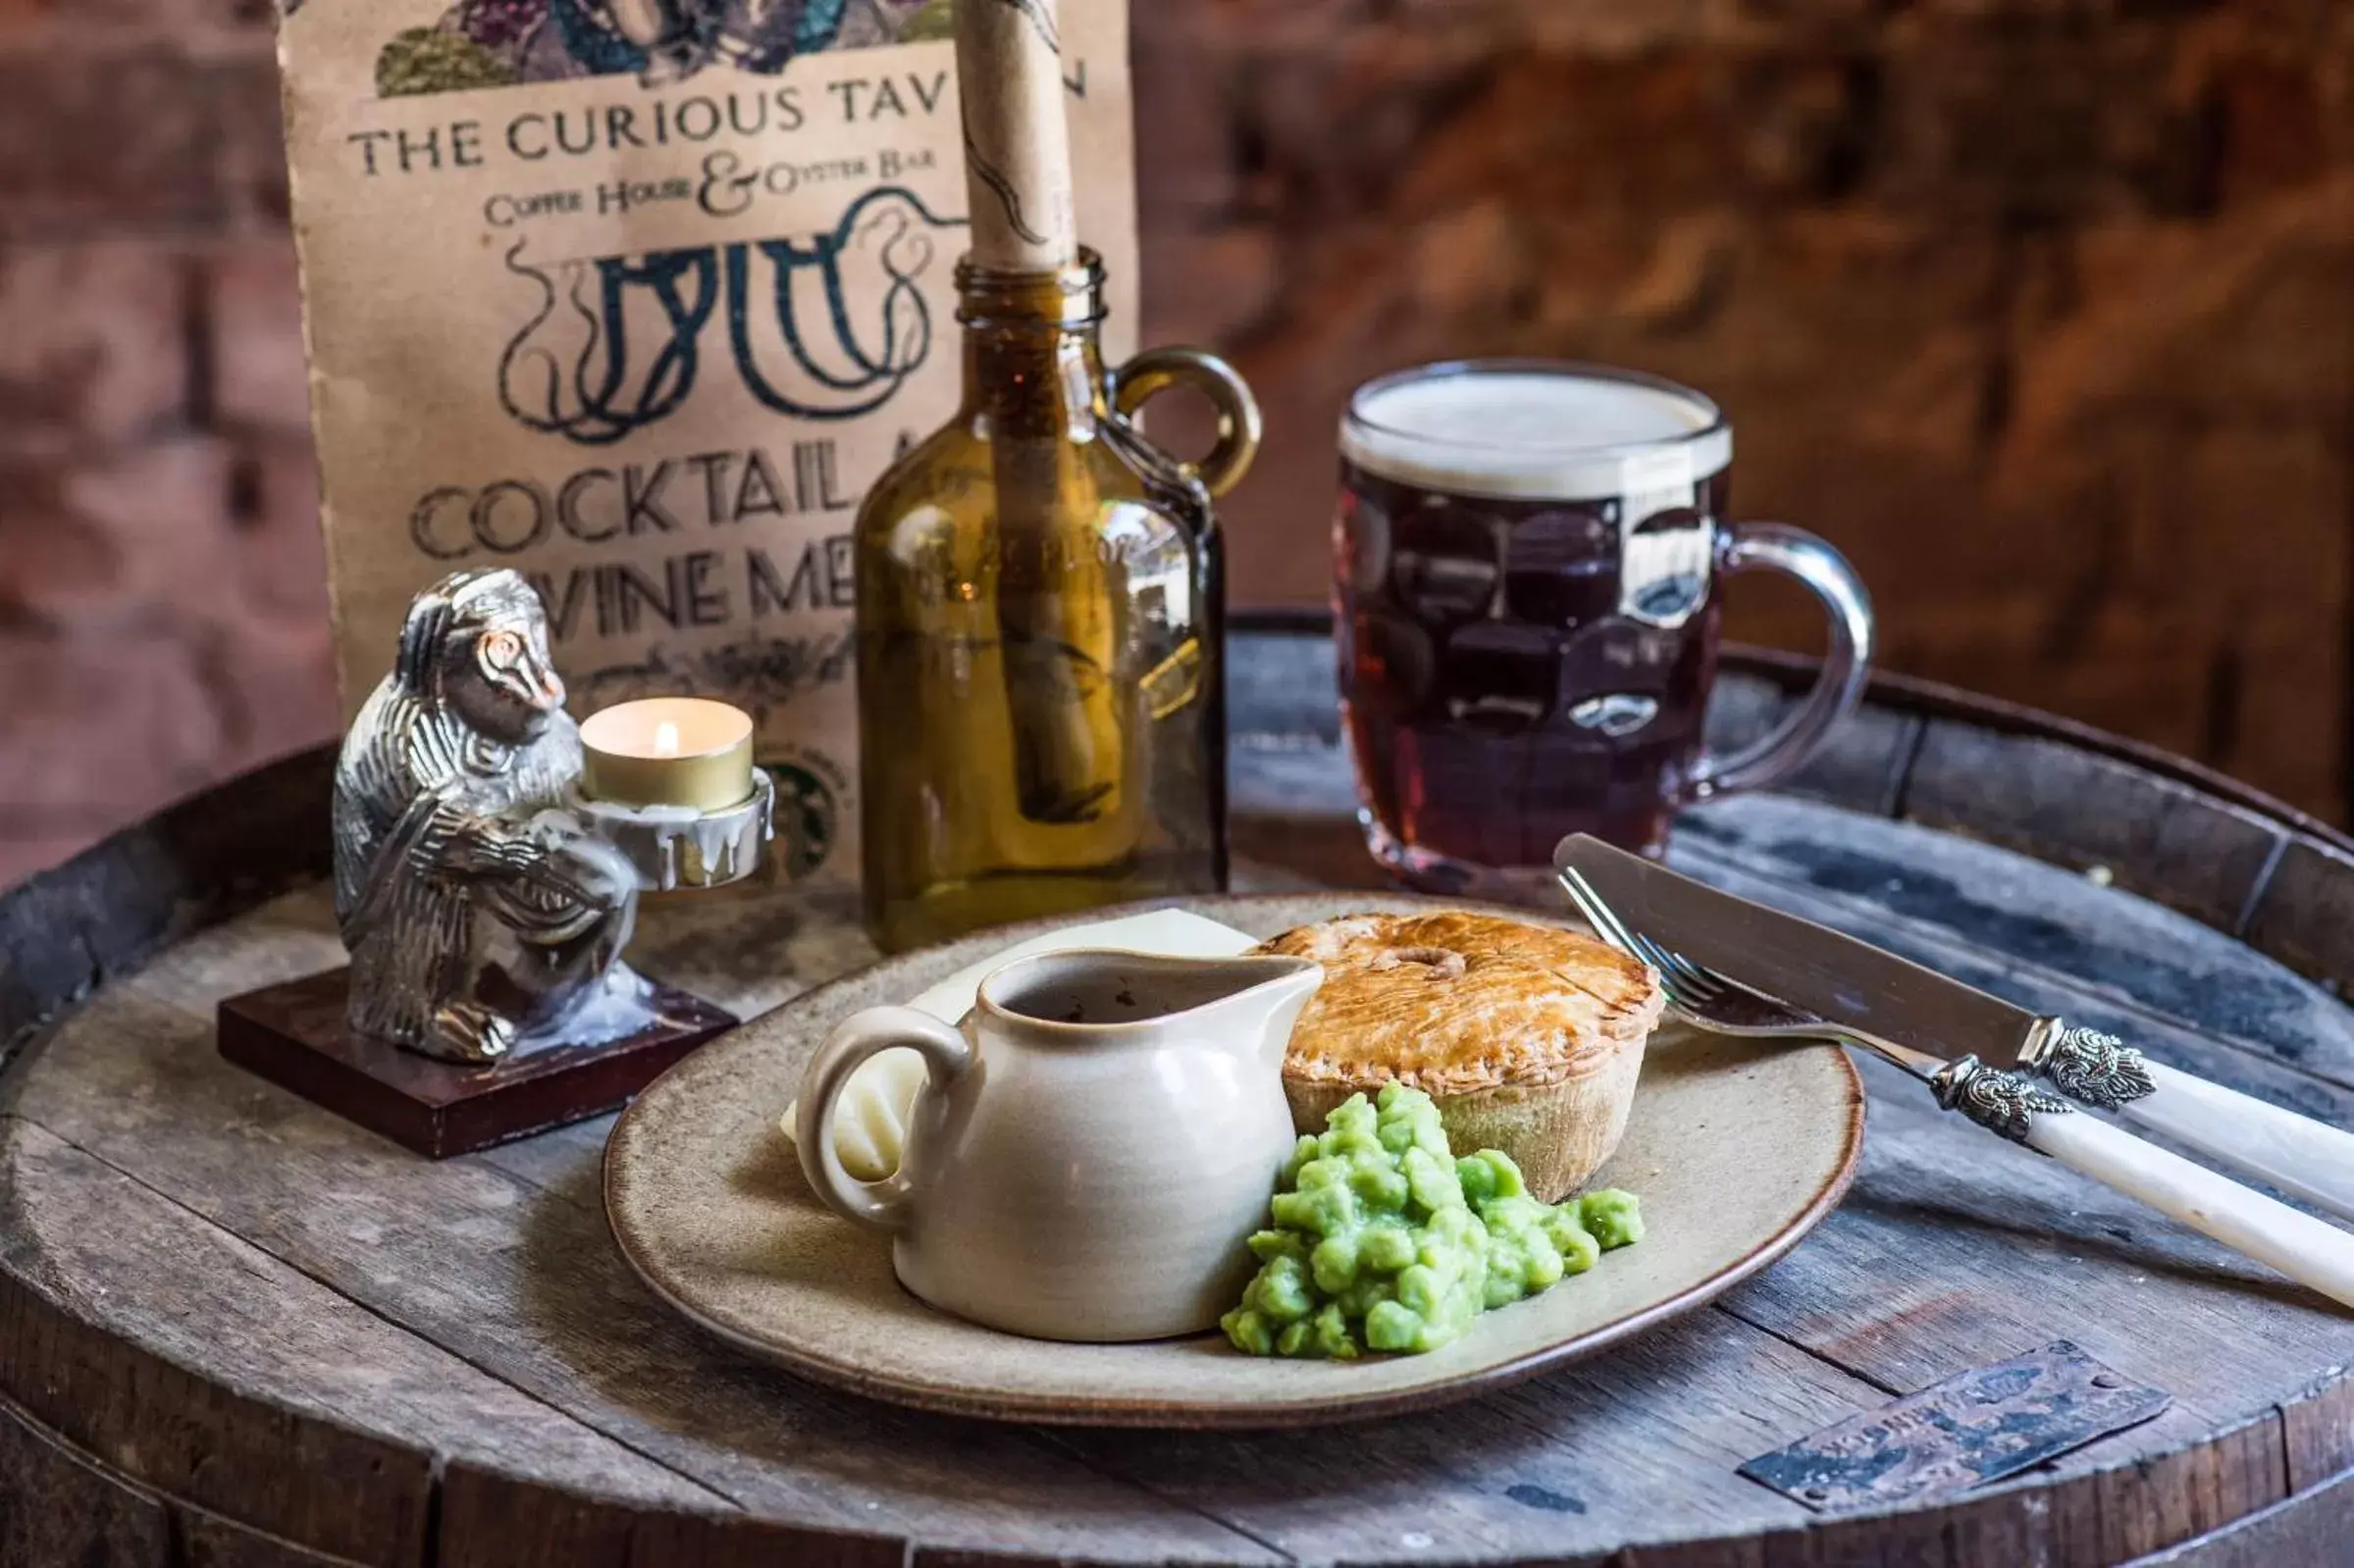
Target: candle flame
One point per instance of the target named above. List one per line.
(665, 739)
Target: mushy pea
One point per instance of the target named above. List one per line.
(1383, 1240)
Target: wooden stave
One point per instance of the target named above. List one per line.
(2314, 1434)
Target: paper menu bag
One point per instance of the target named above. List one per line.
(637, 298)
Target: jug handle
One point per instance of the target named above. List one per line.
(1156, 370)
(881, 1205)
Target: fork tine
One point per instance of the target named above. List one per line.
(1701, 978)
(1697, 984)
(1581, 895)
(1682, 995)
(1642, 949)
(1599, 915)
(1693, 990)
(1689, 985)
(1625, 937)
(1615, 931)
(1618, 934)
(1678, 971)
(1651, 952)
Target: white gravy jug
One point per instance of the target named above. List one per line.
(1092, 1146)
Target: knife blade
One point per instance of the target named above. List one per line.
(1849, 981)
(1841, 978)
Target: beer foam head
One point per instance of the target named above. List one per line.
(1535, 432)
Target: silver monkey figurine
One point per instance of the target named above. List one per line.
(481, 915)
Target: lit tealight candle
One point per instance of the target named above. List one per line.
(669, 751)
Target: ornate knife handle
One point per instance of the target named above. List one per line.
(2296, 1154)
(2003, 1103)
(2100, 1069)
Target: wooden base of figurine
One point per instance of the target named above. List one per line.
(298, 1036)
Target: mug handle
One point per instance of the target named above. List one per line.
(1777, 547)
(1156, 370)
(878, 1205)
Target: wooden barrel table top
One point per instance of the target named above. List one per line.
(236, 1329)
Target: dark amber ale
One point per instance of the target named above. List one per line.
(1529, 561)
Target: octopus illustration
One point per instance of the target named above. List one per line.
(821, 330)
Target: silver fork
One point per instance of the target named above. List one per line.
(2304, 1249)
(1712, 1000)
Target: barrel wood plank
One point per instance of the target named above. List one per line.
(61, 1507)
(2065, 795)
(206, 1540)
(120, 901)
(1596, 1456)
(181, 1404)
(2317, 1428)
(70, 1508)
(2316, 1528)
(85, 1232)
(499, 1520)
(582, 1424)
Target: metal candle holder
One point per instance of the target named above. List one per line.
(487, 900)
(679, 846)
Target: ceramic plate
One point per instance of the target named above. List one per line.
(1737, 1151)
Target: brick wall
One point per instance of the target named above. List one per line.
(2041, 309)
(162, 592)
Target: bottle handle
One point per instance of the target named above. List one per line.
(1156, 370)
(878, 1205)
(1777, 547)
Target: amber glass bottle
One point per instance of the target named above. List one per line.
(1040, 612)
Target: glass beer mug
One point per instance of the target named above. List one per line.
(1530, 575)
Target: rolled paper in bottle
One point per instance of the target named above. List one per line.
(1017, 141)
(669, 751)
(1018, 179)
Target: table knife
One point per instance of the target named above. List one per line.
(1853, 982)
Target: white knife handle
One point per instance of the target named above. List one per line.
(2294, 1153)
(2308, 1250)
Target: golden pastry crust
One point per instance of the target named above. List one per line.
(1456, 1002)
